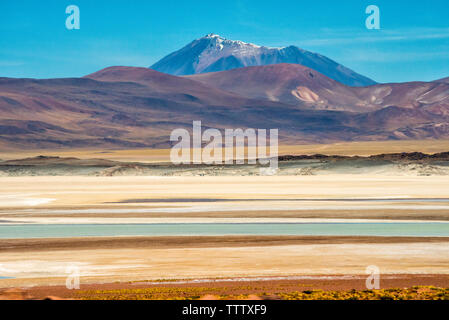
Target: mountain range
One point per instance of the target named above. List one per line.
(128, 107)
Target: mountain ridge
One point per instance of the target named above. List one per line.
(126, 107)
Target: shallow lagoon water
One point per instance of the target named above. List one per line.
(221, 229)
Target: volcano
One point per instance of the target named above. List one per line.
(214, 53)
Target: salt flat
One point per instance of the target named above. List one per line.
(101, 191)
(109, 199)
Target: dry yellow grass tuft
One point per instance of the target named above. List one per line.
(199, 293)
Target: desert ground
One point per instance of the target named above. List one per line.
(140, 261)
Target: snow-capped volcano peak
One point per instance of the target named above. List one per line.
(225, 42)
(212, 35)
(213, 53)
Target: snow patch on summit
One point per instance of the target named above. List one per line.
(220, 48)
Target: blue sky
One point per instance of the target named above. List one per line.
(413, 43)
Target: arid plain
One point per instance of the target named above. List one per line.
(343, 200)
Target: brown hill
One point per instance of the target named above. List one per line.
(425, 96)
(301, 86)
(288, 83)
(164, 85)
(446, 80)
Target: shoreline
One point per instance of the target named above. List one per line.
(194, 241)
(193, 220)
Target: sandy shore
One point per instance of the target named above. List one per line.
(137, 259)
(55, 244)
(197, 220)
